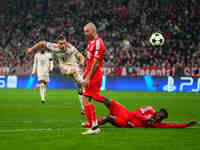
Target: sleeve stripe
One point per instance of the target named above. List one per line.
(99, 52)
(97, 45)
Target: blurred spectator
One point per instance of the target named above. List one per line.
(125, 25)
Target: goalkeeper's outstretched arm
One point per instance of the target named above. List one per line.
(36, 46)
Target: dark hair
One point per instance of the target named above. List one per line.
(164, 111)
(60, 37)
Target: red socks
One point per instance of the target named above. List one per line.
(94, 116)
(90, 114)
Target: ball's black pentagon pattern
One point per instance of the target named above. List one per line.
(156, 39)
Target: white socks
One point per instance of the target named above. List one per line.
(81, 101)
(79, 78)
(42, 91)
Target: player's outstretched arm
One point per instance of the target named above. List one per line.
(36, 46)
(173, 125)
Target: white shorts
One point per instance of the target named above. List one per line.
(69, 69)
(43, 78)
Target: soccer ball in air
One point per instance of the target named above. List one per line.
(157, 39)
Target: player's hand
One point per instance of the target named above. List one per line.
(82, 63)
(28, 50)
(86, 83)
(191, 123)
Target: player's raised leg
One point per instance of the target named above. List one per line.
(78, 79)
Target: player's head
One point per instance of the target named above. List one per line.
(160, 115)
(61, 42)
(90, 31)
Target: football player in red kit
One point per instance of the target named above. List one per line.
(93, 76)
(144, 117)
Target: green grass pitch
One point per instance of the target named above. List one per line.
(26, 124)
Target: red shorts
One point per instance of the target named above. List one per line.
(120, 112)
(94, 87)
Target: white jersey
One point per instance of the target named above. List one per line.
(64, 57)
(42, 64)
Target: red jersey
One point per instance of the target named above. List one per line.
(139, 116)
(96, 49)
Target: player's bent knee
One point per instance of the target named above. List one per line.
(74, 72)
(111, 118)
(106, 101)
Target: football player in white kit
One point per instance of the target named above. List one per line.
(43, 64)
(70, 60)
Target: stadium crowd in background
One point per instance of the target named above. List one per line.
(125, 26)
